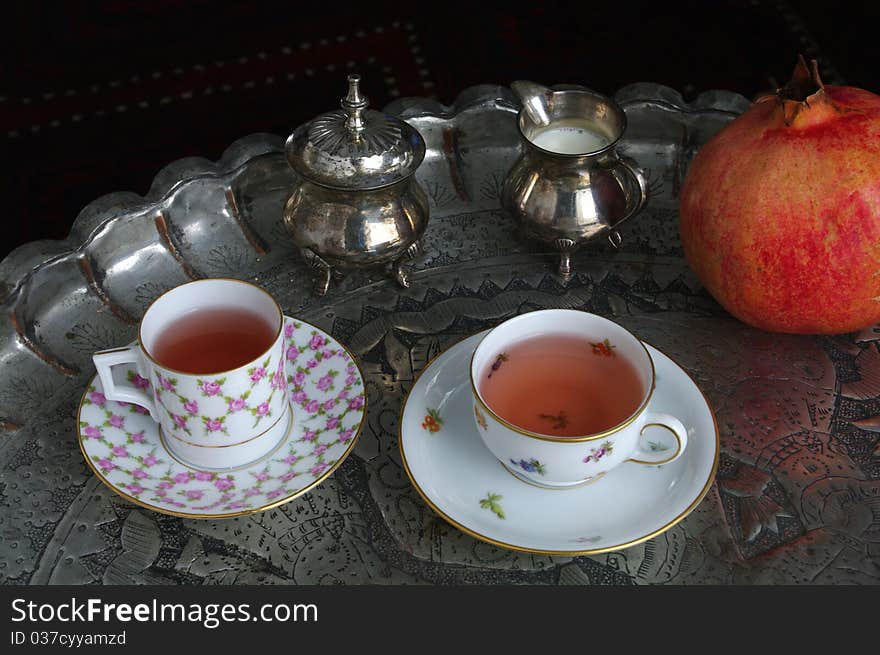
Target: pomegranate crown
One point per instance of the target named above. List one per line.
(805, 82)
(805, 89)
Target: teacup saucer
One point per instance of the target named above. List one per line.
(464, 483)
(123, 447)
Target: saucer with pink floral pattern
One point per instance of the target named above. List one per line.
(122, 445)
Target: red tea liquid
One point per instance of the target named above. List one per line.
(213, 340)
(562, 386)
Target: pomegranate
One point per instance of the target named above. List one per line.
(780, 210)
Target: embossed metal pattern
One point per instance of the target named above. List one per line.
(796, 495)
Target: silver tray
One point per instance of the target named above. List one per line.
(797, 486)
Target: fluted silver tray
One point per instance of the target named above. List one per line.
(797, 486)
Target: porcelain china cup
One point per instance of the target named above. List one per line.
(462, 481)
(218, 420)
(123, 447)
(554, 461)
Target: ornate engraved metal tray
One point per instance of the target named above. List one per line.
(798, 487)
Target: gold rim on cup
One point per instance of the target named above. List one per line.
(538, 551)
(140, 341)
(661, 461)
(580, 439)
(227, 445)
(163, 439)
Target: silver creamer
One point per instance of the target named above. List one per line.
(569, 186)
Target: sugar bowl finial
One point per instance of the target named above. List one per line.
(354, 104)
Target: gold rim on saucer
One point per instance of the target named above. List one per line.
(590, 551)
(253, 510)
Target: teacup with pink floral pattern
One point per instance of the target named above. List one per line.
(317, 378)
(210, 420)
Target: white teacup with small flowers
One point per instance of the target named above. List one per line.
(563, 461)
(217, 420)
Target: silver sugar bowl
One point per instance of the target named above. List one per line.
(357, 202)
(569, 186)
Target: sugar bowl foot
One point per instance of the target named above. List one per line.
(397, 269)
(323, 271)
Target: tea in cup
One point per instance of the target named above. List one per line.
(561, 397)
(210, 371)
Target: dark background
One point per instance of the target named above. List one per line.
(96, 97)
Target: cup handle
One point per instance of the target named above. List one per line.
(105, 360)
(652, 455)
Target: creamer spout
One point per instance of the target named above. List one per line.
(535, 99)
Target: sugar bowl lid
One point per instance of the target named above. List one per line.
(355, 148)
